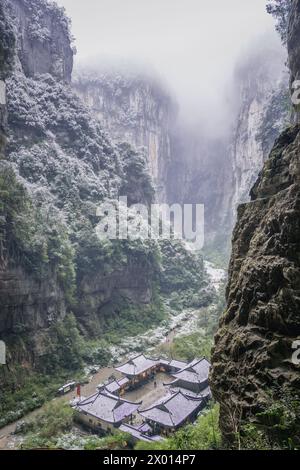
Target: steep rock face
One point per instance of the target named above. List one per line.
(28, 304)
(134, 109)
(219, 170)
(253, 347)
(293, 42)
(29, 307)
(60, 166)
(263, 112)
(7, 43)
(201, 174)
(44, 40)
(294, 54)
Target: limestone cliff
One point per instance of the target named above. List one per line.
(7, 44)
(60, 165)
(264, 107)
(134, 108)
(252, 357)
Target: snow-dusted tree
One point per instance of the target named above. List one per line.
(280, 9)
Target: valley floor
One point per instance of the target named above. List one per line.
(184, 323)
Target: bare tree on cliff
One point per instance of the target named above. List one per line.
(280, 9)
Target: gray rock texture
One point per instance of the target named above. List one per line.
(136, 109)
(44, 39)
(253, 351)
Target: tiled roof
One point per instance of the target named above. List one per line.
(196, 372)
(206, 393)
(113, 386)
(138, 433)
(178, 364)
(172, 411)
(107, 407)
(137, 365)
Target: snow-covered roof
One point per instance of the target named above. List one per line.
(138, 433)
(177, 364)
(112, 387)
(107, 407)
(172, 411)
(196, 372)
(137, 365)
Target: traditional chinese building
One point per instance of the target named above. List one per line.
(117, 387)
(171, 413)
(143, 432)
(139, 369)
(171, 367)
(104, 411)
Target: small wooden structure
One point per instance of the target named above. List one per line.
(66, 388)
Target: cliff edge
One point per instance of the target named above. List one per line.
(252, 357)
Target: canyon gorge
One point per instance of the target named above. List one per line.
(74, 137)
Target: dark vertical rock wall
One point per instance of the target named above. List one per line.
(62, 164)
(44, 38)
(253, 348)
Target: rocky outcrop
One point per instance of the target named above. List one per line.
(136, 109)
(44, 38)
(29, 306)
(60, 165)
(252, 357)
(263, 113)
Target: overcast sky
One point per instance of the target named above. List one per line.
(194, 44)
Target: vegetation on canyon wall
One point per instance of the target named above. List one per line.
(69, 166)
(53, 428)
(60, 166)
(254, 378)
